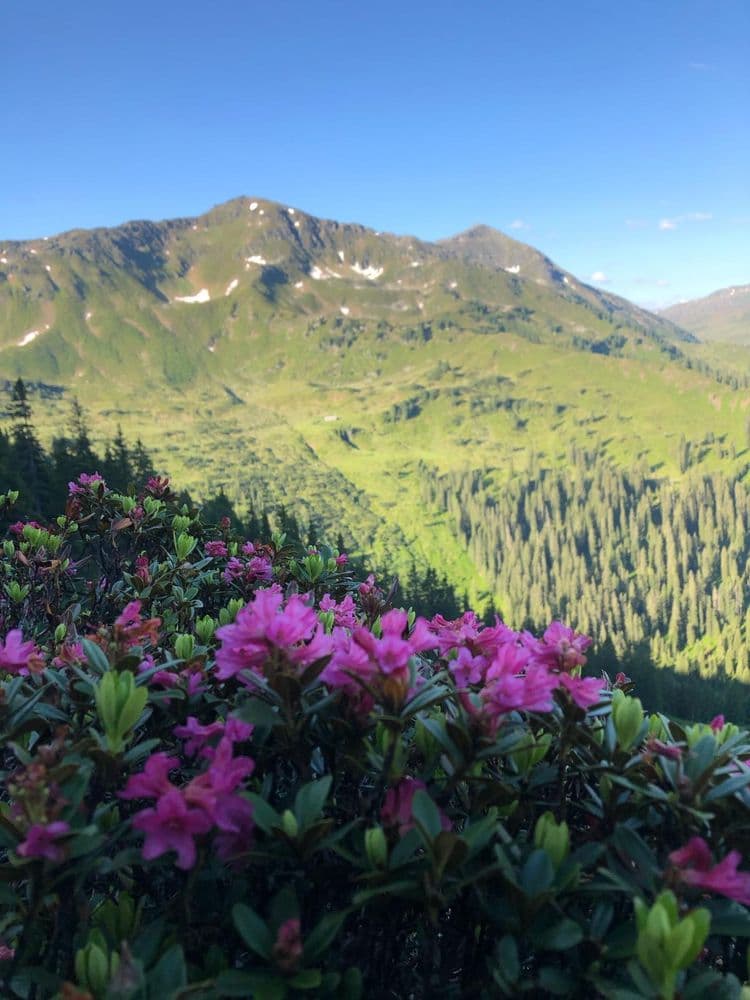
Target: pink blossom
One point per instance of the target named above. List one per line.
(260, 568)
(237, 731)
(717, 723)
(157, 486)
(694, 868)
(660, 749)
(348, 658)
(19, 657)
(216, 549)
(233, 570)
(6, 953)
(248, 549)
(87, 482)
(344, 614)
(134, 630)
(287, 949)
(17, 528)
(265, 627)
(197, 735)
(585, 691)
(213, 789)
(508, 658)
(398, 802)
(468, 669)
(171, 826)
(341, 560)
(153, 780)
(40, 841)
(561, 648)
(507, 691)
(369, 586)
(236, 835)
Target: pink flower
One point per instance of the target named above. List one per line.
(344, 614)
(216, 549)
(6, 953)
(717, 723)
(171, 826)
(287, 949)
(87, 482)
(237, 731)
(398, 802)
(197, 735)
(265, 627)
(585, 691)
(693, 862)
(157, 486)
(561, 648)
(507, 691)
(342, 559)
(134, 630)
(248, 549)
(236, 834)
(260, 568)
(348, 658)
(153, 780)
(468, 669)
(40, 841)
(233, 570)
(660, 749)
(19, 657)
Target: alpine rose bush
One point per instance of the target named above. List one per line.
(231, 769)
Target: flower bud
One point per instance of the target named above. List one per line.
(553, 837)
(627, 715)
(9, 548)
(184, 646)
(184, 545)
(289, 824)
(376, 847)
(205, 628)
(60, 632)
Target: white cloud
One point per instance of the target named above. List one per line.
(599, 277)
(687, 217)
(519, 224)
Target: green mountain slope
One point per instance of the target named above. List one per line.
(722, 316)
(323, 365)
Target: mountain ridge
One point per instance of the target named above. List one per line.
(724, 315)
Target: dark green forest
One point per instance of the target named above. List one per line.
(656, 572)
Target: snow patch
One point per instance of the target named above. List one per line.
(329, 417)
(371, 272)
(253, 205)
(453, 284)
(516, 269)
(262, 212)
(316, 274)
(194, 228)
(299, 284)
(415, 263)
(201, 296)
(3, 260)
(332, 273)
(88, 316)
(34, 252)
(420, 306)
(296, 224)
(291, 211)
(344, 310)
(28, 337)
(731, 292)
(566, 281)
(341, 256)
(256, 259)
(47, 267)
(231, 286)
(212, 348)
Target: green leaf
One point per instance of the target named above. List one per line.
(309, 801)
(556, 982)
(252, 930)
(728, 787)
(321, 936)
(264, 815)
(564, 934)
(634, 848)
(507, 953)
(307, 979)
(95, 656)
(426, 815)
(258, 985)
(168, 975)
(537, 874)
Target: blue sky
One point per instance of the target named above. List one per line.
(613, 136)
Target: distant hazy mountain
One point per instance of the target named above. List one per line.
(722, 316)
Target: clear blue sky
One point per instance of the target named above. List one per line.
(613, 136)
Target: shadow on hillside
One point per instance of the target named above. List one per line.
(686, 696)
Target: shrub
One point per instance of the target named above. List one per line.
(229, 770)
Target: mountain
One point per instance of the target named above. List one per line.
(293, 359)
(721, 316)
